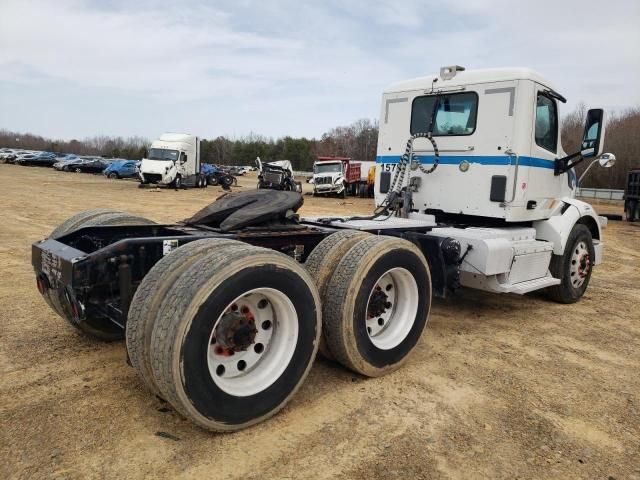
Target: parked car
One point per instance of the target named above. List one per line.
(122, 169)
(86, 165)
(8, 155)
(12, 158)
(41, 159)
(59, 165)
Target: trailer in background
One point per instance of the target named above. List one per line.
(632, 196)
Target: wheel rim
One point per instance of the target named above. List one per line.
(392, 308)
(252, 342)
(580, 265)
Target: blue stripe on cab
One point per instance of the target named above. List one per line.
(481, 159)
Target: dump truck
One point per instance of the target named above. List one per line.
(340, 176)
(224, 312)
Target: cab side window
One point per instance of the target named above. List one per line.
(546, 131)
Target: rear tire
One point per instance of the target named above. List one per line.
(96, 327)
(227, 180)
(75, 222)
(377, 305)
(151, 293)
(574, 267)
(207, 384)
(322, 262)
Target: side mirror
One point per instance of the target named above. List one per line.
(607, 160)
(593, 137)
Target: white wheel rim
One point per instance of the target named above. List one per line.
(267, 357)
(389, 328)
(580, 265)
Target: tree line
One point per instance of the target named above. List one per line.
(358, 141)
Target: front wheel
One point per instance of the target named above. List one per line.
(177, 183)
(573, 267)
(112, 175)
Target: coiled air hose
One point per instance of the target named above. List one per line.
(391, 202)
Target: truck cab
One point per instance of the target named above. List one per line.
(173, 159)
(498, 135)
(479, 154)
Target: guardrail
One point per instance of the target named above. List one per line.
(600, 193)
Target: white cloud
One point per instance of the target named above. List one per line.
(295, 67)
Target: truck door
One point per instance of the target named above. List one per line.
(182, 164)
(542, 184)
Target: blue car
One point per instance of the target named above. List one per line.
(122, 169)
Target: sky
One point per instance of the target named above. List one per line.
(74, 69)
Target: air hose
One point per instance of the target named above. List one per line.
(392, 200)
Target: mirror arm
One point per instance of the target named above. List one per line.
(562, 165)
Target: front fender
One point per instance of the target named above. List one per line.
(557, 228)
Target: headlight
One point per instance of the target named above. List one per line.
(338, 180)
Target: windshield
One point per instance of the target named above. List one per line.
(327, 167)
(162, 154)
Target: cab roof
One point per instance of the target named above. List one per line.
(469, 77)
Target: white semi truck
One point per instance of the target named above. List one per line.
(173, 160)
(340, 176)
(224, 312)
(484, 164)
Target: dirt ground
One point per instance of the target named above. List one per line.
(498, 387)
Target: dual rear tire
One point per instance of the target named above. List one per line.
(227, 332)
(376, 298)
(224, 331)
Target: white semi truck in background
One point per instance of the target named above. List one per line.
(173, 160)
(341, 176)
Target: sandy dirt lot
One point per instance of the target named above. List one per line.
(498, 387)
